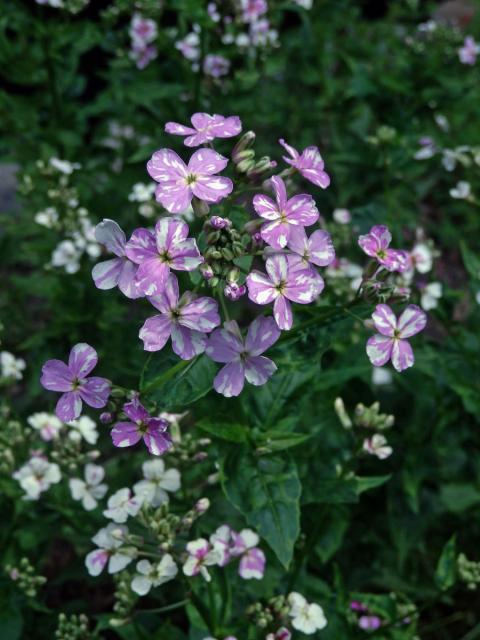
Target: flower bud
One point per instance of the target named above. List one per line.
(200, 208)
(202, 506)
(106, 417)
(245, 142)
(264, 165)
(206, 271)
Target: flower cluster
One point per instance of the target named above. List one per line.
(143, 32)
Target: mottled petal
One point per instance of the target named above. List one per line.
(206, 162)
(174, 196)
(402, 355)
(106, 274)
(135, 410)
(266, 207)
(227, 127)
(95, 392)
(294, 155)
(252, 564)
(411, 321)
(200, 314)
(278, 186)
(320, 248)
(187, 343)
(111, 236)
(166, 166)
(56, 376)
(379, 349)
(157, 439)
(230, 379)
(277, 268)
(303, 285)
(82, 359)
(258, 369)
(141, 246)
(260, 288)
(186, 256)
(95, 561)
(127, 280)
(177, 129)
(276, 234)
(167, 300)
(169, 232)
(384, 320)
(224, 346)
(152, 276)
(262, 333)
(198, 138)
(212, 188)
(298, 241)
(282, 312)
(69, 406)
(125, 434)
(301, 210)
(155, 332)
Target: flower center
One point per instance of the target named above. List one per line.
(142, 427)
(280, 286)
(396, 334)
(381, 254)
(191, 179)
(165, 257)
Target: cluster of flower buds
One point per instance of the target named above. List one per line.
(282, 612)
(264, 615)
(125, 599)
(468, 571)
(26, 577)
(245, 161)
(74, 627)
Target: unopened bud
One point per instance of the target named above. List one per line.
(245, 142)
(202, 505)
(200, 208)
(106, 417)
(262, 166)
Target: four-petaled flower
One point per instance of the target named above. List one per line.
(252, 558)
(185, 320)
(153, 575)
(201, 555)
(109, 541)
(157, 481)
(120, 271)
(90, 490)
(284, 213)
(283, 282)
(377, 446)
(317, 249)
(141, 425)
(121, 505)
(306, 617)
(169, 248)
(36, 476)
(242, 357)
(74, 384)
(178, 182)
(376, 245)
(205, 128)
(309, 164)
(390, 342)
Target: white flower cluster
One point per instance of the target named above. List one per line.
(11, 368)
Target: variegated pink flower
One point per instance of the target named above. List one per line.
(309, 164)
(185, 320)
(72, 380)
(283, 282)
(376, 244)
(117, 272)
(169, 248)
(284, 213)
(178, 182)
(390, 343)
(252, 558)
(141, 425)
(317, 249)
(242, 358)
(205, 128)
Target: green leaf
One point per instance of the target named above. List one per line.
(471, 261)
(176, 383)
(459, 497)
(343, 489)
(277, 441)
(446, 571)
(266, 491)
(233, 432)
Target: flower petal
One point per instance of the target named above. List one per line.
(127, 280)
(302, 210)
(82, 359)
(174, 196)
(230, 379)
(187, 343)
(95, 391)
(106, 274)
(152, 276)
(186, 256)
(384, 320)
(157, 440)
(206, 162)
(276, 233)
(56, 376)
(212, 188)
(266, 207)
(165, 165)
(303, 285)
(411, 321)
(252, 564)
(260, 288)
(278, 186)
(155, 332)
(177, 129)
(224, 346)
(125, 434)
(69, 406)
(282, 312)
(321, 250)
(109, 233)
(262, 333)
(402, 355)
(258, 369)
(141, 246)
(379, 349)
(200, 314)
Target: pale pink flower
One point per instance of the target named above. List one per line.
(376, 244)
(205, 128)
(309, 164)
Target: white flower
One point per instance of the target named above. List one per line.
(381, 375)
(66, 255)
(442, 122)
(342, 216)
(142, 192)
(11, 367)
(47, 218)
(157, 482)
(461, 191)
(306, 618)
(84, 428)
(109, 541)
(89, 490)
(422, 257)
(200, 555)
(122, 504)
(36, 476)
(431, 294)
(377, 446)
(47, 423)
(64, 166)
(305, 4)
(153, 575)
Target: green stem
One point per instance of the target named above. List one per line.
(168, 607)
(213, 608)
(223, 303)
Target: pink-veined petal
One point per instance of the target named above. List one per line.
(230, 380)
(379, 349)
(212, 188)
(252, 564)
(56, 376)
(135, 410)
(303, 285)
(165, 166)
(294, 155)
(174, 196)
(280, 191)
(69, 406)
(276, 233)
(187, 343)
(384, 320)
(224, 345)
(82, 359)
(302, 210)
(169, 232)
(266, 207)
(260, 288)
(152, 276)
(186, 256)
(258, 369)
(155, 332)
(95, 391)
(262, 333)
(227, 127)
(411, 321)
(177, 129)
(277, 268)
(298, 241)
(206, 162)
(167, 300)
(402, 355)
(127, 280)
(282, 312)
(95, 561)
(157, 440)
(200, 314)
(141, 246)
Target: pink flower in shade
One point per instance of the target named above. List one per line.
(252, 559)
(178, 183)
(242, 358)
(185, 320)
(253, 9)
(201, 554)
(169, 248)
(376, 244)
(205, 128)
(117, 272)
(143, 55)
(71, 379)
(221, 540)
(390, 342)
(283, 282)
(468, 53)
(215, 66)
(109, 541)
(283, 214)
(234, 291)
(141, 425)
(142, 30)
(317, 249)
(280, 634)
(309, 163)
(369, 623)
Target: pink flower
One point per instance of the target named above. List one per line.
(377, 446)
(252, 562)
(468, 53)
(234, 291)
(109, 541)
(390, 342)
(205, 128)
(309, 163)
(74, 384)
(216, 66)
(178, 183)
(141, 425)
(283, 282)
(117, 272)
(242, 358)
(185, 320)
(253, 9)
(283, 213)
(200, 555)
(376, 244)
(369, 623)
(156, 254)
(143, 54)
(142, 30)
(317, 249)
